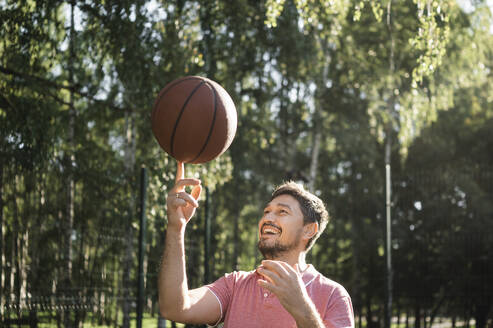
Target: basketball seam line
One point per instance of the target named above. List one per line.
(212, 124)
(165, 92)
(180, 115)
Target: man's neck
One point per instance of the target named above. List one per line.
(293, 260)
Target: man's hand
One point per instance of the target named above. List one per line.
(285, 282)
(181, 205)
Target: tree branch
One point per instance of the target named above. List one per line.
(74, 87)
(6, 100)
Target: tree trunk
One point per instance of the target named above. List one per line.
(417, 317)
(2, 256)
(236, 235)
(434, 311)
(130, 148)
(481, 315)
(286, 136)
(317, 136)
(214, 240)
(68, 221)
(207, 25)
(22, 273)
(369, 315)
(398, 316)
(15, 249)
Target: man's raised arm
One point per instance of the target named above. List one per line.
(176, 301)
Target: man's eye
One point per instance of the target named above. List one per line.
(283, 211)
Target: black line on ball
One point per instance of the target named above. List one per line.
(179, 117)
(168, 89)
(214, 93)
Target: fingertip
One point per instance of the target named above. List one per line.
(180, 170)
(196, 191)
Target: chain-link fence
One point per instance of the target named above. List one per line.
(442, 225)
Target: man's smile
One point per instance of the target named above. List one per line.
(270, 229)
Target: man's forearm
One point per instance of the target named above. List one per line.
(172, 281)
(307, 316)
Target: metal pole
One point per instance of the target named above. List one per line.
(1, 238)
(388, 248)
(207, 241)
(142, 233)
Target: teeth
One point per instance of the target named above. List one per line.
(270, 230)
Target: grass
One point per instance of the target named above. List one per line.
(147, 322)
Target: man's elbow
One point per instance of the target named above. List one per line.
(170, 313)
(166, 311)
(163, 312)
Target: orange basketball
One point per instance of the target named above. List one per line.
(194, 119)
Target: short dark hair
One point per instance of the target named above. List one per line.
(311, 206)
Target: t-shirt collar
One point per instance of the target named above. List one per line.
(309, 275)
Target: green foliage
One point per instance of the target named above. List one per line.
(75, 108)
(433, 36)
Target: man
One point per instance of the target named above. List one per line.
(284, 291)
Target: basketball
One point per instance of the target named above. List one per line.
(194, 119)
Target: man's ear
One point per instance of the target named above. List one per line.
(310, 230)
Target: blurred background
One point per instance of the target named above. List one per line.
(384, 109)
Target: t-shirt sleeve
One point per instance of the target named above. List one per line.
(339, 313)
(223, 290)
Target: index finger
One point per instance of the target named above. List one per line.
(180, 171)
(275, 266)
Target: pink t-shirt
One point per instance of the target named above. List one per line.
(244, 304)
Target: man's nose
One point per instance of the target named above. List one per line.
(269, 217)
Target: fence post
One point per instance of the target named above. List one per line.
(142, 234)
(388, 247)
(207, 239)
(1, 241)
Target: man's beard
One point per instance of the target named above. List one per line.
(272, 252)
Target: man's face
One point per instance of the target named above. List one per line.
(281, 227)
